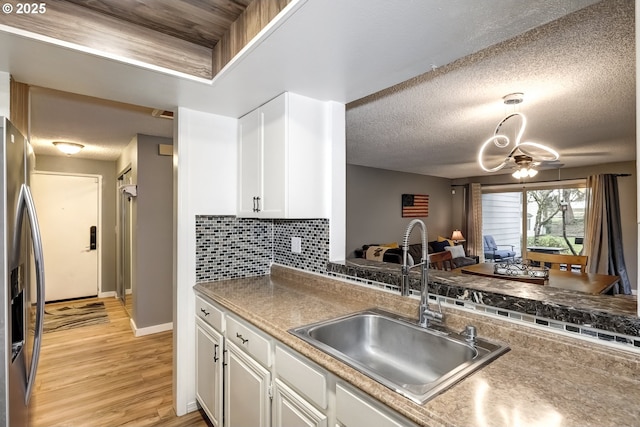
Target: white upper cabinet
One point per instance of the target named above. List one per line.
(283, 155)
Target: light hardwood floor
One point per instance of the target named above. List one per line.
(102, 375)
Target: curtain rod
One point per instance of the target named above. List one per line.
(541, 182)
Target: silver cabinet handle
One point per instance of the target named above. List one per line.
(256, 204)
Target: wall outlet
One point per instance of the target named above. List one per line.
(296, 245)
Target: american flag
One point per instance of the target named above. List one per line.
(415, 205)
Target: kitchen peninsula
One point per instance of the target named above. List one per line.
(546, 379)
(614, 314)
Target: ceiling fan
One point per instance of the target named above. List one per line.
(524, 156)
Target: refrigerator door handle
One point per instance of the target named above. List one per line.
(25, 202)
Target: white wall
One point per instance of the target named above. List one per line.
(5, 93)
(204, 164)
(336, 196)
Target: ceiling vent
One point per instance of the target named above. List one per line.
(165, 114)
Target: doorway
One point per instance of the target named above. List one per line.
(69, 207)
(124, 287)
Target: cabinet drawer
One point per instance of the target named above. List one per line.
(208, 313)
(300, 375)
(249, 340)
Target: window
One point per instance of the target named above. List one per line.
(550, 220)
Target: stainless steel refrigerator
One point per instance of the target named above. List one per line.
(22, 307)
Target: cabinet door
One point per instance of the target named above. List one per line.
(250, 164)
(247, 401)
(275, 157)
(354, 410)
(209, 371)
(292, 410)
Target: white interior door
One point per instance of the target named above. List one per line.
(68, 207)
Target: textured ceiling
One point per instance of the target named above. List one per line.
(578, 79)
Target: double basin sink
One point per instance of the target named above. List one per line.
(416, 362)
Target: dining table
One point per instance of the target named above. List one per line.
(591, 283)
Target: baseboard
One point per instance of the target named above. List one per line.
(139, 332)
(192, 406)
(108, 294)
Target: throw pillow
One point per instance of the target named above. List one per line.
(390, 245)
(439, 246)
(456, 251)
(444, 239)
(376, 253)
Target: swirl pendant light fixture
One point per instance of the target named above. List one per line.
(525, 154)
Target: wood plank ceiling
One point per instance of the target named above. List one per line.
(195, 37)
(202, 22)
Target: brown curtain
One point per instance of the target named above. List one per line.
(474, 221)
(603, 232)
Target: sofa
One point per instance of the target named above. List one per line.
(393, 253)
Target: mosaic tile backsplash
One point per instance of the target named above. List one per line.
(228, 247)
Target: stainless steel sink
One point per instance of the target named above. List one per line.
(416, 362)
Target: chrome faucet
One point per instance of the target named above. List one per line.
(425, 314)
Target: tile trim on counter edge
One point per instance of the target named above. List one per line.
(616, 331)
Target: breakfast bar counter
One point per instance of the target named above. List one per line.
(546, 379)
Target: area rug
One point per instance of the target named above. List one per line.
(74, 316)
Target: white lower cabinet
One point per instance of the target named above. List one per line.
(292, 410)
(247, 388)
(264, 383)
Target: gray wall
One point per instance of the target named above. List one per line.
(374, 213)
(152, 222)
(153, 216)
(107, 169)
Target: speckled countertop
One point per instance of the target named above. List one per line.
(545, 380)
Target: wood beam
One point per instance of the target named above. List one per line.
(19, 106)
(257, 15)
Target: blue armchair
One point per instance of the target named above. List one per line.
(491, 251)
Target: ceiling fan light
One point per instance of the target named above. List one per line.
(524, 172)
(68, 147)
(522, 153)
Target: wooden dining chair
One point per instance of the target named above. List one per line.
(555, 260)
(441, 261)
